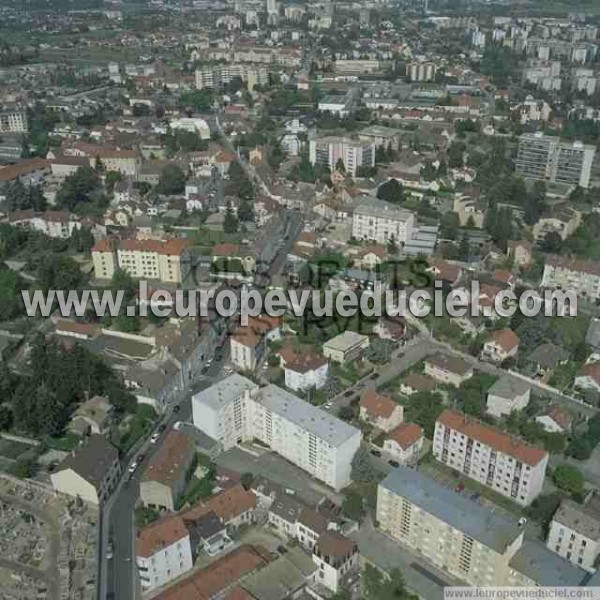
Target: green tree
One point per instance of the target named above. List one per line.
(569, 479)
(247, 479)
(246, 211)
(171, 181)
(362, 467)
(352, 506)
(78, 188)
(239, 184)
(230, 223)
(449, 225)
(60, 273)
(391, 191)
(111, 179)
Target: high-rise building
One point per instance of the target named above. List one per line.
(13, 121)
(381, 221)
(421, 71)
(547, 157)
(353, 153)
(461, 537)
(506, 464)
(236, 410)
(214, 76)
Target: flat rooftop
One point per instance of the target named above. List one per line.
(314, 420)
(463, 514)
(225, 391)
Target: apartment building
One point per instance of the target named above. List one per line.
(583, 277)
(235, 410)
(327, 151)
(166, 260)
(215, 75)
(460, 537)
(547, 157)
(126, 162)
(465, 539)
(506, 464)
(244, 346)
(163, 552)
(90, 472)
(220, 411)
(382, 137)
(53, 223)
(381, 221)
(421, 71)
(345, 347)
(13, 121)
(307, 436)
(574, 532)
(507, 394)
(165, 475)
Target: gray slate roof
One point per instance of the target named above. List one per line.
(324, 426)
(548, 355)
(92, 460)
(545, 567)
(225, 391)
(463, 514)
(509, 387)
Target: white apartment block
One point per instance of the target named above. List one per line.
(460, 537)
(214, 76)
(166, 261)
(328, 151)
(581, 276)
(13, 121)
(574, 532)
(380, 221)
(507, 394)
(465, 539)
(547, 157)
(421, 71)
(505, 464)
(235, 410)
(163, 552)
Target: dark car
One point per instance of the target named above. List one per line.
(393, 463)
(375, 453)
(281, 549)
(373, 375)
(475, 496)
(348, 393)
(162, 427)
(176, 408)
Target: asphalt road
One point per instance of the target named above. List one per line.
(121, 572)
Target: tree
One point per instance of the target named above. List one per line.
(239, 184)
(78, 188)
(230, 223)
(552, 242)
(6, 417)
(339, 166)
(456, 153)
(247, 479)
(391, 191)
(246, 211)
(60, 273)
(535, 203)
(24, 468)
(172, 181)
(377, 585)
(362, 468)
(569, 479)
(111, 179)
(464, 248)
(352, 506)
(449, 225)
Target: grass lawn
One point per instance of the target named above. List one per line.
(196, 490)
(443, 473)
(139, 425)
(12, 449)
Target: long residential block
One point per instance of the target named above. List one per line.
(237, 410)
(506, 464)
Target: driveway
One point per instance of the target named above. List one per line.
(277, 469)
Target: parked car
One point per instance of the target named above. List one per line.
(154, 437)
(459, 488)
(177, 425)
(521, 522)
(375, 453)
(109, 550)
(176, 408)
(132, 467)
(393, 463)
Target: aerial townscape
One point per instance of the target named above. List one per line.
(151, 148)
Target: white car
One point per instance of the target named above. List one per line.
(521, 522)
(154, 437)
(177, 425)
(328, 405)
(132, 467)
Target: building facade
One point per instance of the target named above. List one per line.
(507, 465)
(381, 222)
(327, 151)
(580, 276)
(13, 121)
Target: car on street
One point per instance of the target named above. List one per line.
(109, 550)
(521, 522)
(375, 453)
(393, 463)
(348, 393)
(328, 405)
(132, 467)
(177, 425)
(176, 408)
(154, 437)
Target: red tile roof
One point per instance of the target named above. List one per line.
(490, 436)
(88, 329)
(169, 464)
(507, 339)
(227, 505)
(564, 262)
(591, 370)
(301, 361)
(335, 544)
(23, 168)
(560, 416)
(156, 536)
(406, 434)
(246, 337)
(102, 246)
(377, 405)
(223, 573)
(172, 247)
(230, 250)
